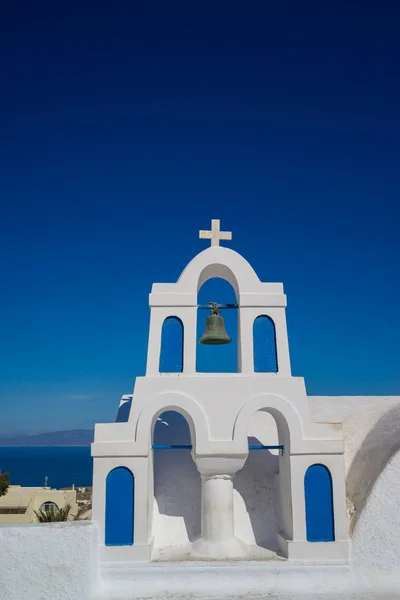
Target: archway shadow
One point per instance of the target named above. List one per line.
(177, 482)
(379, 445)
(256, 484)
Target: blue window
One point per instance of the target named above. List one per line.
(171, 356)
(319, 504)
(120, 500)
(264, 340)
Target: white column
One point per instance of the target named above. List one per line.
(218, 539)
(245, 341)
(217, 507)
(189, 315)
(278, 315)
(157, 317)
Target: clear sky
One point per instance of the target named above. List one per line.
(123, 134)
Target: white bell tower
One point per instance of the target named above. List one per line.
(218, 408)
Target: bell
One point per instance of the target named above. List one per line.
(215, 333)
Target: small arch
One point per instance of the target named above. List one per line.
(120, 502)
(318, 495)
(264, 344)
(171, 355)
(49, 506)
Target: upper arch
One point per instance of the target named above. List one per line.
(219, 262)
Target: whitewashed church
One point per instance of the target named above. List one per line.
(257, 477)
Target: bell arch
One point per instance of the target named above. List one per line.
(223, 263)
(217, 358)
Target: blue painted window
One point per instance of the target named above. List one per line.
(264, 340)
(319, 504)
(171, 356)
(120, 500)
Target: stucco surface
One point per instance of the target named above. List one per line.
(376, 538)
(372, 574)
(51, 561)
(57, 561)
(371, 428)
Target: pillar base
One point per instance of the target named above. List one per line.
(228, 549)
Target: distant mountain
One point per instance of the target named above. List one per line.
(74, 437)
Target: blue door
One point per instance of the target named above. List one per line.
(120, 501)
(319, 504)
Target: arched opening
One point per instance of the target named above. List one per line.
(120, 501)
(171, 354)
(319, 504)
(177, 486)
(49, 506)
(221, 358)
(264, 342)
(256, 496)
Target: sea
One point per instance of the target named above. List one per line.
(62, 465)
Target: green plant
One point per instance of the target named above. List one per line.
(4, 483)
(52, 515)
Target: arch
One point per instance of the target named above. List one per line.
(48, 505)
(120, 501)
(181, 403)
(318, 495)
(172, 339)
(219, 358)
(177, 483)
(287, 420)
(370, 460)
(256, 485)
(220, 262)
(264, 345)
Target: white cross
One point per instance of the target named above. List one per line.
(215, 235)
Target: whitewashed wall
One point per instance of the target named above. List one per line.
(59, 561)
(371, 426)
(56, 561)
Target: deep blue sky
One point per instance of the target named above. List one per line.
(122, 135)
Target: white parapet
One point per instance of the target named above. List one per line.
(48, 561)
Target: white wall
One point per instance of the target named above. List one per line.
(376, 538)
(55, 561)
(49, 561)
